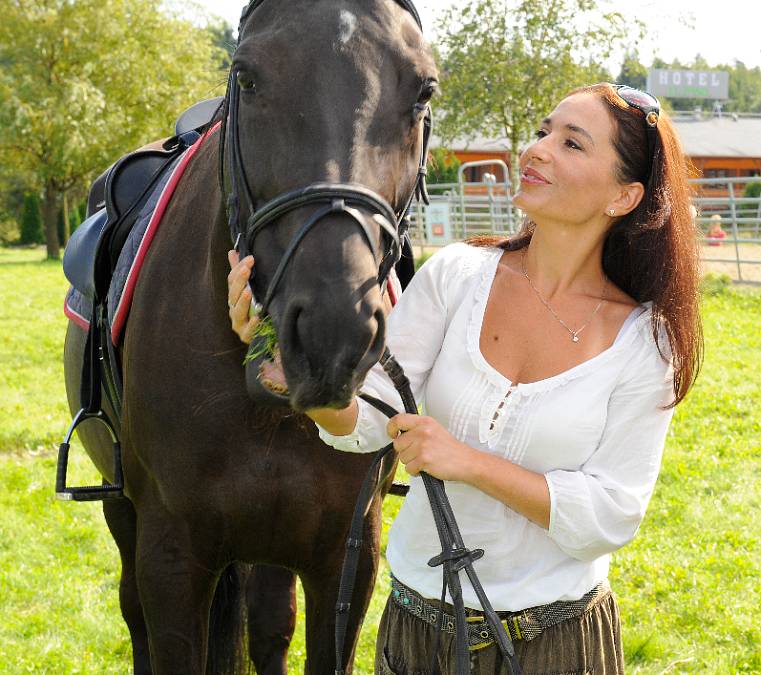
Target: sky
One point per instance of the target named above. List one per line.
(720, 30)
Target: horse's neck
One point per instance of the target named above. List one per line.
(200, 237)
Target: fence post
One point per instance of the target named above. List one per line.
(735, 232)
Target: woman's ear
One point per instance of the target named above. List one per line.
(629, 197)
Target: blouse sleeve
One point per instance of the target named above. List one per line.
(414, 336)
(598, 509)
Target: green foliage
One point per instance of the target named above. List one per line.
(715, 284)
(751, 191)
(687, 584)
(223, 39)
(84, 82)
(506, 63)
(632, 72)
(30, 231)
(443, 166)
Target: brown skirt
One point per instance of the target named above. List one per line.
(587, 644)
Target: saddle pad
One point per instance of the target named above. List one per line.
(77, 307)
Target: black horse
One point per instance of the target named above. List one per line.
(331, 91)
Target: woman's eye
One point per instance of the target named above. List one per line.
(573, 144)
(540, 133)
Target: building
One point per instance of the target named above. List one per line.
(718, 146)
(726, 146)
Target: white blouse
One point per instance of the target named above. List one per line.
(596, 432)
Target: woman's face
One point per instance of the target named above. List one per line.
(568, 174)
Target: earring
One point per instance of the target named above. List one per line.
(611, 212)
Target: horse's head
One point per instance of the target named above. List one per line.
(330, 92)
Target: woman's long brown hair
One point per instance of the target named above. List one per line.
(651, 253)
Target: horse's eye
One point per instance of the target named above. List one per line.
(427, 92)
(245, 82)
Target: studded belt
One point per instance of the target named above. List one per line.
(523, 625)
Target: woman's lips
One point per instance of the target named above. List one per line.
(533, 177)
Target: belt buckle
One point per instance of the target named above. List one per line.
(511, 625)
(484, 633)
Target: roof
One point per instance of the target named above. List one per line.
(726, 136)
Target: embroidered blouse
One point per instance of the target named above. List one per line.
(596, 432)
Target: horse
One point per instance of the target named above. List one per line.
(226, 501)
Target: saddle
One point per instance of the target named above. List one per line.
(121, 203)
(116, 199)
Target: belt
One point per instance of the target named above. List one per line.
(523, 625)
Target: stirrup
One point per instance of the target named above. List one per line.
(89, 493)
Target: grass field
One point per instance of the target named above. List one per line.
(688, 585)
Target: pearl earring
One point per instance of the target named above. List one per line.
(611, 212)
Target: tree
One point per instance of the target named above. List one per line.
(84, 81)
(505, 63)
(633, 73)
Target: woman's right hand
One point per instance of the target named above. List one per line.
(239, 296)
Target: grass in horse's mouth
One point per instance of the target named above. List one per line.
(263, 341)
(264, 348)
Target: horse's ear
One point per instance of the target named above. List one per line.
(405, 268)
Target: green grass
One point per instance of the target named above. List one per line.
(688, 585)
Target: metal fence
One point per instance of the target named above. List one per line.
(465, 209)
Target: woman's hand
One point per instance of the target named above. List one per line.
(424, 445)
(239, 296)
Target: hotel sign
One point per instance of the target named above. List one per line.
(713, 84)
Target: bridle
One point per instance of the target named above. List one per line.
(348, 199)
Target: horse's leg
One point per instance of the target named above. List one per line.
(121, 519)
(176, 591)
(271, 599)
(321, 591)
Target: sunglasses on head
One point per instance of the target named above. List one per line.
(649, 106)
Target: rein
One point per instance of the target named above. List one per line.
(454, 556)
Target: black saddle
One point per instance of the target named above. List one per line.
(116, 198)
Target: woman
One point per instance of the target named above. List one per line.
(549, 365)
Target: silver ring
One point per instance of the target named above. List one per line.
(230, 304)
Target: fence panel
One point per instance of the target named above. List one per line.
(729, 223)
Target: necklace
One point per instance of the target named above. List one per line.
(574, 333)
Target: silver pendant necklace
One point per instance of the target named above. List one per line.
(574, 333)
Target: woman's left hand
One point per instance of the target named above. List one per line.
(425, 445)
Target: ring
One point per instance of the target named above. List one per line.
(230, 304)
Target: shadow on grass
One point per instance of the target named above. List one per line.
(45, 262)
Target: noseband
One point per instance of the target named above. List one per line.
(348, 199)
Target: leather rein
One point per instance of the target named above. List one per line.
(352, 200)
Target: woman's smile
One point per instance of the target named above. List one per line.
(533, 177)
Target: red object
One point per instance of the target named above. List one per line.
(714, 237)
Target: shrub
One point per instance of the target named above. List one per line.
(715, 284)
(753, 191)
(9, 231)
(31, 231)
(442, 166)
